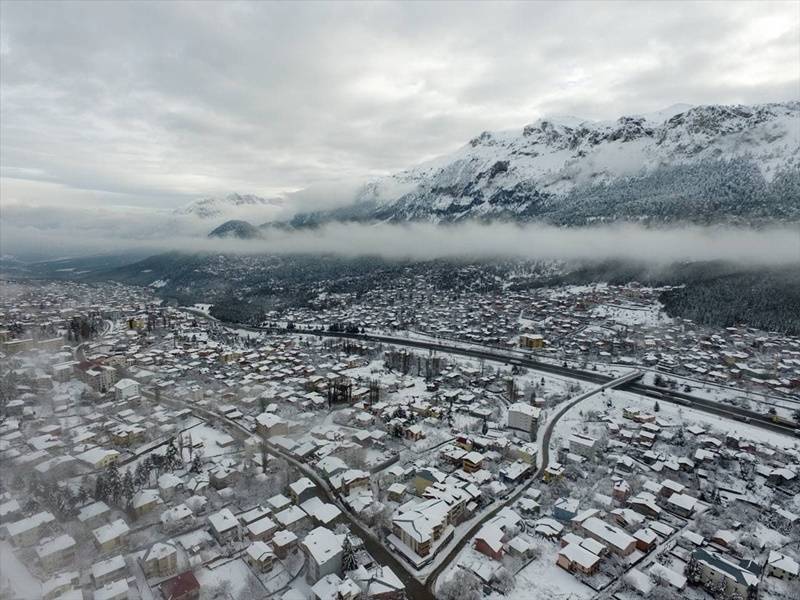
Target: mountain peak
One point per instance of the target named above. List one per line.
(211, 207)
(236, 228)
(699, 163)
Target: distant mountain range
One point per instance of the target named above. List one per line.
(210, 208)
(704, 164)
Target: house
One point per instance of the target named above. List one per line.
(56, 552)
(323, 550)
(531, 342)
(322, 513)
(419, 525)
(621, 491)
(10, 510)
(553, 472)
(181, 587)
(116, 590)
(301, 490)
(617, 541)
(659, 572)
(781, 566)
(160, 560)
(576, 558)
(712, 570)
(254, 514)
(109, 570)
(349, 480)
(125, 389)
(646, 539)
(176, 517)
(98, 458)
(112, 536)
(378, 582)
(269, 425)
(548, 528)
(396, 492)
(260, 556)
(168, 485)
(526, 452)
(582, 445)
(682, 504)
(224, 526)
(413, 433)
(262, 529)
(472, 461)
(60, 585)
(565, 509)
(333, 587)
(94, 514)
(144, 501)
(283, 542)
(27, 531)
(293, 518)
(645, 503)
(489, 541)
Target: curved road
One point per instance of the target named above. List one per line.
(414, 588)
(543, 461)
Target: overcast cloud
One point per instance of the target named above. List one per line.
(155, 104)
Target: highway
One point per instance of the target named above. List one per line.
(751, 417)
(414, 587)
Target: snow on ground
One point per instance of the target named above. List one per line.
(236, 572)
(650, 315)
(15, 574)
(544, 580)
(211, 439)
(572, 420)
(541, 579)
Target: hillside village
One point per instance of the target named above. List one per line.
(150, 451)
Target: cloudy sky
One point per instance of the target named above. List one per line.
(110, 104)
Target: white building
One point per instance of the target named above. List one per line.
(323, 549)
(125, 389)
(523, 419)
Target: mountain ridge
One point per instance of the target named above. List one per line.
(742, 164)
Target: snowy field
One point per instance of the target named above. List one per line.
(632, 315)
(673, 413)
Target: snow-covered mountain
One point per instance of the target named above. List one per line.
(704, 163)
(236, 228)
(210, 208)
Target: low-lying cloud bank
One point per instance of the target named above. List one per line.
(64, 234)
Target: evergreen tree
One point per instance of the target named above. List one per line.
(693, 570)
(100, 488)
(172, 458)
(113, 483)
(349, 562)
(83, 493)
(197, 464)
(140, 476)
(128, 489)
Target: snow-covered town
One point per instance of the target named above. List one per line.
(151, 451)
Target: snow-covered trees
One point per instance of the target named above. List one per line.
(349, 562)
(464, 586)
(128, 489)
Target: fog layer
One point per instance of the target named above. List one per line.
(63, 235)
